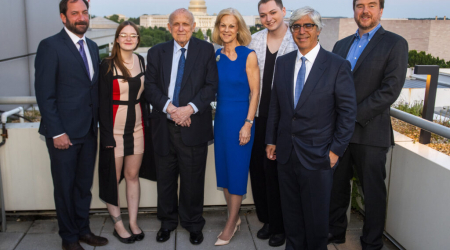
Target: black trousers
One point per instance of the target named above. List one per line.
(370, 165)
(305, 200)
(189, 163)
(73, 172)
(264, 180)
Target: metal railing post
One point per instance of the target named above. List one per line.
(432, 72)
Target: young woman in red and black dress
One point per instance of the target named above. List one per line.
(122, 116)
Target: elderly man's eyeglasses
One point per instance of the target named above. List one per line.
(306, 26)
(132, 36)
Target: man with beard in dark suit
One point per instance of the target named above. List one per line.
(379, 61)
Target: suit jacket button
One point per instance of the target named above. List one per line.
(293, 135)
(90, 105)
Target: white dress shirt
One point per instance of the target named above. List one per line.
(173, 75)
(75, 40)
(310, 58)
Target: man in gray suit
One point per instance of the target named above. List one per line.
(379, 61)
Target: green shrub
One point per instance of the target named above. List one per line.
(421, 58)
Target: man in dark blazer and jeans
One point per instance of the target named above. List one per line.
(180, 83)
(67, 94)
(311, 120)
(379, 61)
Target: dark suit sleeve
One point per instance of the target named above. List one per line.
(390, 87)
(46, 73)
(202, 100)
(152, 92)
(273, 118)
(105, 106)
(345, 98)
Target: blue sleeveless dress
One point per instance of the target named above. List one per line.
(233, 100)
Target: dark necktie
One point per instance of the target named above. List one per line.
(83, 55)
(300, 81)
(180, 72)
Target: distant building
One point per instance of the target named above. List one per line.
(202, 19)
(431, 36)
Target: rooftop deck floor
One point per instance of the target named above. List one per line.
(37, 234)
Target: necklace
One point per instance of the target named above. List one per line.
(132, 66)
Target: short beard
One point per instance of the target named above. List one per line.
(77, 30)
(371, 25)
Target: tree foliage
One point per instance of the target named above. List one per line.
(199, 35)
(209, 34)
(256, 28)
(115, 18)
(152, 36)
(421, 58)
(135, 20)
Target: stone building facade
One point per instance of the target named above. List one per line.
(431, 36)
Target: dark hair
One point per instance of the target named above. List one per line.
(381, 4)
(278, 2)
(63, 5)
(116, 56)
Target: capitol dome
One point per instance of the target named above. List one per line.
(198, 7)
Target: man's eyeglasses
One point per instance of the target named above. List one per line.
(306, 26)
(132, 36)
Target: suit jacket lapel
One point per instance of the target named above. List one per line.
(314, 76)
(289, 74)
(370, 46)
(347, 47)
(74, 50)
(167, 64)
(190, 60)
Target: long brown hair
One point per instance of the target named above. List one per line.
(116, 56)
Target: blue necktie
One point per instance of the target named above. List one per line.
(176, 92)
(300, 81)
(83, 55)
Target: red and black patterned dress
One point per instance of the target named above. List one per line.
(128, 128)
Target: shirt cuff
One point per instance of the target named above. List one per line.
(194, 107)
(165, 106)
(54, 137)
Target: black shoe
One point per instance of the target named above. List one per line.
(264, 232)
(137, 237)
(196, 238)
(93, 240)
(277, 240)
(128, 240)
(336, 239)
(163, 235)
(72, 246)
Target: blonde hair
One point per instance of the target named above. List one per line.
(244, 36)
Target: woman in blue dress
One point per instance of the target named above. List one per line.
(237, 100)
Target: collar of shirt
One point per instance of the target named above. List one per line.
(74, 37)
(370, 34)
(177, 48)
(311, 55)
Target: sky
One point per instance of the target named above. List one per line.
(327, 8)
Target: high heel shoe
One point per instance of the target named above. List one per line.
(137, 237)
(220, 242)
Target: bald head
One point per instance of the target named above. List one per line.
(183, 12)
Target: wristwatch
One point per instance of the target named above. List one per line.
(249, 121)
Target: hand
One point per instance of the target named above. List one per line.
(245, 134)
(62, 142)
(271, 152)
(187, 123)
(171, 108)
(182, 114)
(333, 159)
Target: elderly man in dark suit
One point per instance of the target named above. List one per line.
(311, 120)
(67, 94)
(379, 61)
(181, 82)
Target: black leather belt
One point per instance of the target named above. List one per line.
(171, 122)
(132, 103)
